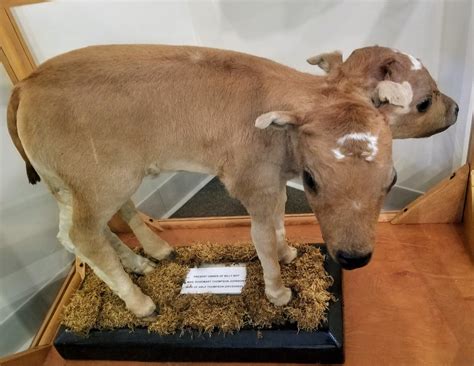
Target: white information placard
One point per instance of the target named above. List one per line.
(215, 280)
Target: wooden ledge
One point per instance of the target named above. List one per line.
(236, 221)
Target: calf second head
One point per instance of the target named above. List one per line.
(423, 110)
(344, 155)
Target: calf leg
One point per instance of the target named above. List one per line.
(152, 243)
(64, 200)
(130, 260)
(264, 239)
(263, 208)
(286, 254)
(128, 257)
(88, 233)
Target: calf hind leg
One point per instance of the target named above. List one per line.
(88, 233)
(151, 243)
(64, 200)
(130, 260)
(128, 257)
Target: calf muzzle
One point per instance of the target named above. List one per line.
(352, 261)
(455, 112)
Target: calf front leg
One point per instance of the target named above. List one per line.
(260, 196)
(264, 239)
(151, 243)
(286, 254)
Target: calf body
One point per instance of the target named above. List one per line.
(94, 122)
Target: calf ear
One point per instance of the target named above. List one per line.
(326, 61)
(279, 119)
(398, 94)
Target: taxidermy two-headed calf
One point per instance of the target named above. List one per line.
(93, 122)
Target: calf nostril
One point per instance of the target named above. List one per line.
(456, 110)
(352, 260)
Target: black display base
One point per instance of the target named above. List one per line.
(283, 344)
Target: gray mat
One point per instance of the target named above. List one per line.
(213, 200)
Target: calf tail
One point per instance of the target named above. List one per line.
(33, 176)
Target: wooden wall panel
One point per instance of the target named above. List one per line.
(14, 50)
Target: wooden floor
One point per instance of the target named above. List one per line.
(412, 305)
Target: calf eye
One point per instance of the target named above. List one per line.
(424, 105)
(309, 181)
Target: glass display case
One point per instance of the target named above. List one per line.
(33, 264)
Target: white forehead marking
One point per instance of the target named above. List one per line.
(371, 140)
(338, 154)
(415, 63)
(356, 205)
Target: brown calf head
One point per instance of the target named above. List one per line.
(344, 154)
(423, 110)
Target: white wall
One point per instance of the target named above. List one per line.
(287, 31)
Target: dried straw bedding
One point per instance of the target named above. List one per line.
(94, 306)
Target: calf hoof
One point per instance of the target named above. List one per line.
(280, 297)
(289, 254)
(173, 255)
(153, 317)
(141, 265)
(141, 305)
(147, 267)
(160, 253)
